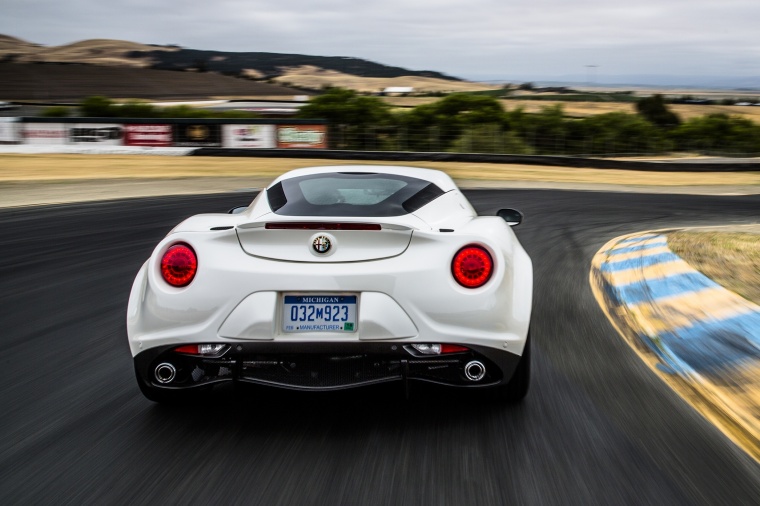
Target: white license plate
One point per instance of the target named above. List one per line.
(319, 313)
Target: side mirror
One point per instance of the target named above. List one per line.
(237, 210)
(513, 217)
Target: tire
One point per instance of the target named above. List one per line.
(517, 388)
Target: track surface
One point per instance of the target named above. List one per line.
(597, 427)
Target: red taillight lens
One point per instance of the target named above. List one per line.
(472, 266)
(190, 349)
(179, 265)
(453, 348)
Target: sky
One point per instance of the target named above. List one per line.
(472, 39)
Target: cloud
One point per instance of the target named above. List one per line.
(547, 37)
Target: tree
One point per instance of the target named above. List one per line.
(718, 133)
(356, 122)
(340, 106)
(654, 110)
(437, 125)
(545, 131)
(616, 133)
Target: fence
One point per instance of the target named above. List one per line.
(315, 134)
(245, 134)
(491, 139)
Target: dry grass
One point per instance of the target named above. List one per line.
(57, 167)
(311, 77)
(95, 51)
(730, 259)
(585, 109)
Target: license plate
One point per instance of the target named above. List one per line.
(319, 313)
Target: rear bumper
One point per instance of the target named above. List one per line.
(324, 366)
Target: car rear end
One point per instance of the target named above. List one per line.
(330, 302)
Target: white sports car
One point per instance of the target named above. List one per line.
(337, 277)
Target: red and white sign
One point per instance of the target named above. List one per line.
(302, 136)
(43, 133)
(148, 135)
(248, 136)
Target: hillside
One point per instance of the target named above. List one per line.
(274, 64)
(95, 51)
(36, 72)
(73, 82)
(316, 78)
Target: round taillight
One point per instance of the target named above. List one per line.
(178, 265)
(472, 266)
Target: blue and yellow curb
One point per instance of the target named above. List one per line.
(702, 339)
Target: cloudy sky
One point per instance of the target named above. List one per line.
(477, 39)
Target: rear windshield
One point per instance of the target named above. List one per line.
(351, 194)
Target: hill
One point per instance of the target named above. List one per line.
(34, 72)
(95, 51)
(73, 82)
(274, 64)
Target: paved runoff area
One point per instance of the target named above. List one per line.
(687, 327)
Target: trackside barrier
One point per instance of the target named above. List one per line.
(290, 138)
(193, 133)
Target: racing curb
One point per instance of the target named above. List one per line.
(701, 339)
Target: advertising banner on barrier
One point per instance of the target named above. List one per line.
(43, 133)
(105, 134)
(148, 135)
(248, 136)
(302, 136)
(202, 135)
(9, 131)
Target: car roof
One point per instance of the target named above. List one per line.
(437, 177)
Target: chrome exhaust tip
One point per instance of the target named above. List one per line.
(474, 370)
(165, 373)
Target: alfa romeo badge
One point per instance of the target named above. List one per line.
(321, 244)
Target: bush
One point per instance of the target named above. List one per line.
(718, 134)
(490, 139)
(98, 107)
(56, 111)
(135, 109)
(103, 107)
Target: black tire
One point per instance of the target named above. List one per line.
(517, 388)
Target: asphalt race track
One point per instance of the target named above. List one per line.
(598, 427)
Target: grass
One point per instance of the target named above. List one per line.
(730, 259)
(585, 108)
(69, 167)
(580, 97)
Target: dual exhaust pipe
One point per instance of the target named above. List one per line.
(165, 372)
